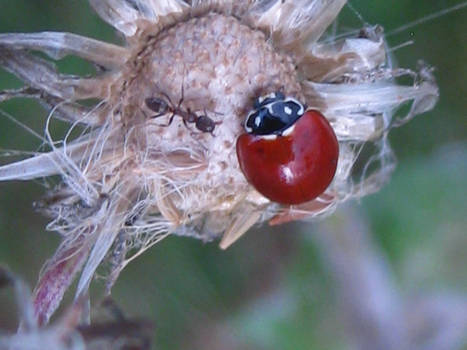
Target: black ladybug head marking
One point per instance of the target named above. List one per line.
(273, 114)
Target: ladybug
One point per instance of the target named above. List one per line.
(289, 154)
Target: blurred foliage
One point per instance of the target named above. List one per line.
(188, 288)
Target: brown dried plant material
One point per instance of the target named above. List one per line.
(68, 332)
(130, 180)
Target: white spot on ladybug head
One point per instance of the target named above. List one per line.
(302, 108)
(288, 110)
(257, 120)
(261, 99)
(247, 128)
(271, 95)
(269, 107)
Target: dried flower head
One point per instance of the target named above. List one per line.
(135, 176)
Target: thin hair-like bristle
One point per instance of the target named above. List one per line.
(58, 45)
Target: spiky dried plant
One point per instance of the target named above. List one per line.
(66, 333)
(129, 181)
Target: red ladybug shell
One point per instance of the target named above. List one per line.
(291, 169)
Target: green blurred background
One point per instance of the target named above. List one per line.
(271, 290)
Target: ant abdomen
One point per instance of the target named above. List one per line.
(157, 105)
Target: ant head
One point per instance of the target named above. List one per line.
(156, 104)
(205, 124)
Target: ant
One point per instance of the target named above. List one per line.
(159, 105)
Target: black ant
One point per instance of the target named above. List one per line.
(159, 105)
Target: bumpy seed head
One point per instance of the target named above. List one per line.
(159, 157)
(220, 64)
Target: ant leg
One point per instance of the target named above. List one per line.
(187, 126)
(157, 115)
(215, 123)
(183, 88)
(161, 115)
(218, 113)
(183, 92)
(170, 119)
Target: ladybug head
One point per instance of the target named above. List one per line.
(273, 114)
